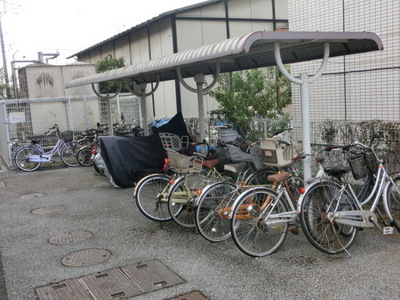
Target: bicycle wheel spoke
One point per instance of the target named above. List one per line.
(323, 232)
(255, 232)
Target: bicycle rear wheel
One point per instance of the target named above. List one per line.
(253, 231)
(212, 211)
(85, 156)
(392, 199)
(326, 235)
(68, 154)
(151, 196)
(182, 203)
(22, 158)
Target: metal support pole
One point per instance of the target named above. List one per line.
(305, 117)
(199, 79)
(143, 107)
(304, 82)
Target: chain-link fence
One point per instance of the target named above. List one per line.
(22, 120)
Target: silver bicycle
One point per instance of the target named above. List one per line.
(331, 214)
(30, 157)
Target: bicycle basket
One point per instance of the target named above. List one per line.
(357, 166)
(371, 162)
(392, 159)
(68, 135)
(182, 163)
(195, 181)
(276, 153)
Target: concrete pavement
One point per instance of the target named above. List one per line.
(296, 271)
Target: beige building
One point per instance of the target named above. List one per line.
(182, 29)
(42, 80)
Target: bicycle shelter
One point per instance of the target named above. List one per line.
(253, 50)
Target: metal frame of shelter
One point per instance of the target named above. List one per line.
(254, 50)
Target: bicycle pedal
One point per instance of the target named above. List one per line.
(294, 230)
(387, 230)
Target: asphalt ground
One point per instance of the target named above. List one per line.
(296, 271)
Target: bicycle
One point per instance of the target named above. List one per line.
(215, 203)
(86, 154)
(29, 158)
(262, 217)
(331, 214)
(152, 191)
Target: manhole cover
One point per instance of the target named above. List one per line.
(70, 237)
(86, 257)
(31, 196)
(48, 210)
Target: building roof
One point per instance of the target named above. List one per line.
(249, 51)
(147, 23)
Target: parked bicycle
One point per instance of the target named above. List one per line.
(331, 214)
(261, 217)
(29, 158)
(86, 154)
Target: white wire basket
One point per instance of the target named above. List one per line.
(276, 153)
(183, 164)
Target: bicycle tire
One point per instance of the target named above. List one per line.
(68, 154)
(149, 198)
(249, 226)
(392, 201)
(182, 203)
(21, 158)
(326, 235)
(212, 211)
(85, 157)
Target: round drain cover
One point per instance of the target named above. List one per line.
(85, 257)
(70, 237)
(31, 196)
(48, 209)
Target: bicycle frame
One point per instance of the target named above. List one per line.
(360, 217)
(47, 156)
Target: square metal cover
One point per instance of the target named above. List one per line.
(118, 283)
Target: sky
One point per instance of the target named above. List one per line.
(67, 27)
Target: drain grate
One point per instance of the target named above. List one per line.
(118, 283)
(85, 257)
(70, 237)
(32, 196)
(48, 209)
(190, 296)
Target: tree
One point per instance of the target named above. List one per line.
(243, 95)
(106, 64)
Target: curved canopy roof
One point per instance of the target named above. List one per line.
(249, 51)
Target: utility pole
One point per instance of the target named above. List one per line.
(3, 53)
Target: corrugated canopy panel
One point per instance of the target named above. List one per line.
(249, 51)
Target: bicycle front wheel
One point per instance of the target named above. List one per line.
(392, 198)
(322, 199)
(212, 211)
(85, 156)
(256, 227)
(151, 196)
(24, 158)
(182, 203)
(69, 153)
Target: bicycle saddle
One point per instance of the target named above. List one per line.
(337, 171)
(34, 142)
